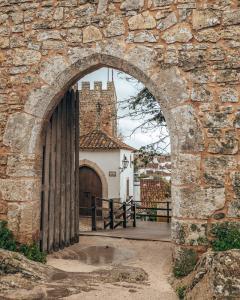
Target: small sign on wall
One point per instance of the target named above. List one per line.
(112, 174)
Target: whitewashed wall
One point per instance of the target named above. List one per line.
(106, 161)
(112, 161)
(127, 173)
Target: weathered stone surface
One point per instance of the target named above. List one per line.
(53, 45)
(179, 33)
(115, 27)
(215, 276)
(142, 21)
(52, 67)
(229, 95)
(102, 6)
(204, 18)
(20, 132)
(201, 93)
(142, 37)
(132, 4)
(207, 35)
(74, 35)
(214, 166)
(227, 143)
(167, 22)
(18, 190)
(187, 168)
(197, 202)
(26, 57)
(91, 34)
(49, 35)
(231, 17)
(4, 42)
(160, 3)
(186, 233)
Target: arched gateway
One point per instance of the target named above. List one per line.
(185, 54)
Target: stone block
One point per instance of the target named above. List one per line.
(204, 19)
(142, 37)
(26, 57)
(179, 33)
(231, 17)
(115, 28)
(186, 169)
(169, 21)
(207, 35)
(160, 3)
(201, 93)
(188, 233)
(142, 21)
(19, 190)
(91, 34)
(52, 67)
(229, 94)
(226, 143)
(22, 132)
(196, 201)
(132, 5)
(74, 35)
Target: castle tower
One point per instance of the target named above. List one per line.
(98, 108)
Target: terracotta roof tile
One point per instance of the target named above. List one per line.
(99, 140)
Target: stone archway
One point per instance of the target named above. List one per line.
(166, 46)
(97, 169)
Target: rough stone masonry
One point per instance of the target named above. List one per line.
(185, 51)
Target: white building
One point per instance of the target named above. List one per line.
(106, 167)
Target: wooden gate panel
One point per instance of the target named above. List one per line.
(77, 168)
(63, 171)
(60, 201)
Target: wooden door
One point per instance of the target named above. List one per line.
(60, 176)
(89, 185)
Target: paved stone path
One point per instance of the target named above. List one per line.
(149, 231)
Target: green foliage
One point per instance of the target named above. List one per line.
(181, 292)
(8, 242)
(226, 236)
(185, 263)
(33, 252)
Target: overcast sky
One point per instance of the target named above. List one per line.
(124, 90)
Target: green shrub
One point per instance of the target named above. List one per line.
(8, 242)
(185, 263)
(181, 292)
(226, 236)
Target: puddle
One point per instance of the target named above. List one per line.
(94, 256)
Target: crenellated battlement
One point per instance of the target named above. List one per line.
(97, 86)
(98, 107)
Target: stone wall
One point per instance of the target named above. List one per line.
(185, 51)
(98, 108)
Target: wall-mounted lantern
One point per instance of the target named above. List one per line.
(125, 163)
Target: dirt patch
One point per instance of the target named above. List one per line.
(134, 270)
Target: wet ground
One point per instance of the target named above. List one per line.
(93, 254)
(96, 268)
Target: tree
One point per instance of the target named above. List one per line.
(144, 108)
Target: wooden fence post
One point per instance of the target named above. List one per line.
(94, 214)
(111, 212)
(168, 216)
(124, 215)
(134, 213)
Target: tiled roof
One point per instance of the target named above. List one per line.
(99, 140)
